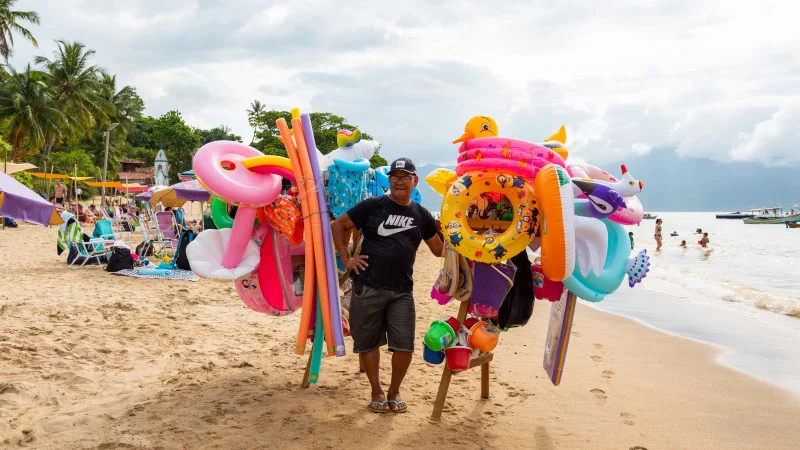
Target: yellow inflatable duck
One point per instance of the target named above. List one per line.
(478, 126)
(556, 142)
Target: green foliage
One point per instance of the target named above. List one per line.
(26, 179)
(178, 140)
(67, 161)
(27, 104)
(220, 133)
(325, 125)
(10, 21)
(141, 133)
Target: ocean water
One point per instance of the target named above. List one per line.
(755, 265)
(741, 294)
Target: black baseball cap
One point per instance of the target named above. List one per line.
(404, 164)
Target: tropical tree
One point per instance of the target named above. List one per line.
(10, 22)
(256, 108)
(126, 104)
(220, 133)
(178, 141)
(325, 125)
(30, 111)
(77, 86)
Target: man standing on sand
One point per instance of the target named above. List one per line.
(59, 192)
(382, 302)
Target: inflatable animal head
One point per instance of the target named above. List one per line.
(557, 142)
(351, 147)
(478, 126)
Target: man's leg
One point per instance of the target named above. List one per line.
(372, 364)
(400, 324)
(400, 363)
(368, 329)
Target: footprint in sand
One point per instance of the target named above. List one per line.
(598, 346)
(576, 334)
(627, 418)
(607, 374)
(599, 393)
(596, 358)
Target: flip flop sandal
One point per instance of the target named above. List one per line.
(378, 411)
(397, 404)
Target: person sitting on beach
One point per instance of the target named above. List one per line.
(704, 241)
(382, 302)
(93, 214)
(683, 244)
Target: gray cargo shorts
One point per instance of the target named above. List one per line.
(376, 313)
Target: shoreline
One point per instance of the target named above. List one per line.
(89, 359)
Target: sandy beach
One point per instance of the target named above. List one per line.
(92, 360)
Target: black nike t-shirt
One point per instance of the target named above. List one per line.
(392, 234)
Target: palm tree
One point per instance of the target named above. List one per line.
(10, 22)
(31, 113)
(77, 86)
(256, 108)
(126, 103)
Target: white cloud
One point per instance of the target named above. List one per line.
(714, 79)
(774, 142)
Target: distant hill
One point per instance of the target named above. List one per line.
(672, 183)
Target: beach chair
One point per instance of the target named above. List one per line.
(81, 248)
(103, 229)
(167, 230)
(77, 210)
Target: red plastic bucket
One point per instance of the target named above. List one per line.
(543, 288)
(458, 358)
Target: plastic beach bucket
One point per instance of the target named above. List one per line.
(458, 358)
(483, 337)
(543, 288)
(432, 357)
(440, 335)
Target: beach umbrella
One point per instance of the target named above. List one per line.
(180, 193)
(20, 203)
(9, 167)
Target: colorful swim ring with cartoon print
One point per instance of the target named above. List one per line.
(517, 157)
(555, 196)
(633, 212)
(481, 248)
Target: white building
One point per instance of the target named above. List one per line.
(161, 169)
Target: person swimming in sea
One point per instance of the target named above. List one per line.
(683, 244)
(704, 241)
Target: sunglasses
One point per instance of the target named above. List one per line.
(403, 178)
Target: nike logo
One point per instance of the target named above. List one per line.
(384, 232)
(403, 224)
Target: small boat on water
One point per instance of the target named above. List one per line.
(735, 215)
(648, 216)
(771, 215)
(792, 224)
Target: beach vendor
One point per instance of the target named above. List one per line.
(382, 304)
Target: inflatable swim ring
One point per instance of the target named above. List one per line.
(489, 249)
(513, 156)
(553, 188)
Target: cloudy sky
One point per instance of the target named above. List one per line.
(712, 79)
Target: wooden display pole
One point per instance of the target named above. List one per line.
(483, 360)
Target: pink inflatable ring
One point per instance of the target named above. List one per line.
(507, 155)
(219, 167)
